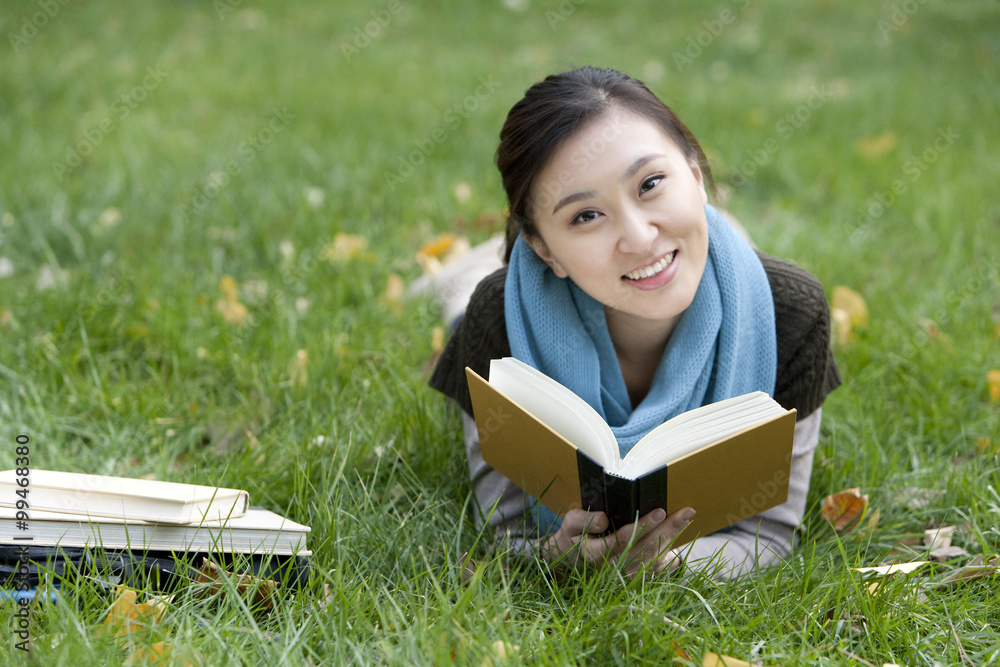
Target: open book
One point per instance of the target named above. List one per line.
(728, 460)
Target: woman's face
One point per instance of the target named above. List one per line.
(620, 210)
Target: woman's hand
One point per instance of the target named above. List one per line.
(580, 540)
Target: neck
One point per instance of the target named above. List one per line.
(639, 344)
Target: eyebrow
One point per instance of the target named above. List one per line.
(629, 173)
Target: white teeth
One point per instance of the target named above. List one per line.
(653, 269)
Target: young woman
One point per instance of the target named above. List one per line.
(624, 284)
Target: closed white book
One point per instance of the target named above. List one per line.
(120, 497)
(258, 531)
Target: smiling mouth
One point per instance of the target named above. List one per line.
(652, 269)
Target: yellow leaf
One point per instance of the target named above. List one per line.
(437, 339)
(442, 249)
(155, 654)
(844, 507)
(344, 248)
(233, 312)
(716, 660)
(437, 246)
(298, 369)
(842, 326)
(897, 568)
(125, 617)
(229, 288)
(875, 146)
(993, 380)
(852, 303)
(394, 289)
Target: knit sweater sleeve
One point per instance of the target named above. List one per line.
(806, 371)
(481, 335)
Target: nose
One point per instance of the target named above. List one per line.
(636, 232)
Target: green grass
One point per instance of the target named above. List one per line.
(114, 359)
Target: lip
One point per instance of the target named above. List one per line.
(660, 279)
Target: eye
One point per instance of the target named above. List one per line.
(584, 217)
(650, 183)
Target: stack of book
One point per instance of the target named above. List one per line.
(147, 523)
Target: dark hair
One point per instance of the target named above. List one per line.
(553, 110)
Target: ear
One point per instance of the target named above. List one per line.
(542, 250)
(700, 178)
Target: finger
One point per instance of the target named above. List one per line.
(577, 526)
(579, 522)
(635, 534)
(659, 533)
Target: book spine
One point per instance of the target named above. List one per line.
(621, 500)
(592, 483)
(652, 491)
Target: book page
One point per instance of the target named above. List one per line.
(695, 429)
(559, 408)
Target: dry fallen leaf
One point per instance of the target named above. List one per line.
(394, 290)
(976, 568)
(441, 250)
(943, 554)
(438, 246)
(717, 660)
(842, 508)
(852, 303)
(875, 146)
(298, 369)
(263, 589)
(160, 653)
(858, 622)
(895, 568)
(842, 325)
(468, 568)
(344, 248)
(993, 380)
(229, 288)
(127, 618)
(437, 339)
(938, 538)
(918, 497)
(229, 305)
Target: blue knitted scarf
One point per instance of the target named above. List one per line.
(723, 346)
